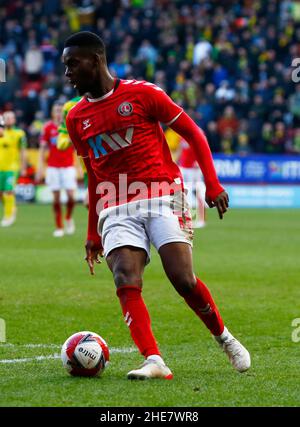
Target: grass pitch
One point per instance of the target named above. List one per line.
(250, 261)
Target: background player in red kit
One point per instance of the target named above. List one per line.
(192, 180)
(60, 173)
(115, 128)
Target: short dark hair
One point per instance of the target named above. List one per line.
(86, 39)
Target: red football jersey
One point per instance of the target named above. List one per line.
(121, 135)
(187, 158)
(57, 158)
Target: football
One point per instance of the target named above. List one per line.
(85, 354)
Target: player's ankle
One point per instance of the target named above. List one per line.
(156, 358)
(224, 335)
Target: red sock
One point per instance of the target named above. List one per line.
(57, 214)
(137, 318)
(201, 301)
(70, 207)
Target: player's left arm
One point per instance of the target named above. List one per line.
(216, 196)
(160, 107)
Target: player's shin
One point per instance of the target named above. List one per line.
(137, 319)
(70, 207)
(201, 301)
(58, 215)
(9, 204)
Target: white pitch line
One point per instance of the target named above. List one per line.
(57, 356)
(31, 359)
(31, 345)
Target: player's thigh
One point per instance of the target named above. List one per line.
(127, 264)
(68, 178)
(172, 235)
(53, 178)
(1, 182)
(117, 231)
(9, 181)
(172, 225)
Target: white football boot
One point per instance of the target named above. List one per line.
(151, 368)
(7, 222)
(70, 226)
(59, 232)
(238, 355)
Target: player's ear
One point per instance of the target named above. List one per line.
(97, 59)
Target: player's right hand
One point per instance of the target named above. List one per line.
(93, 252)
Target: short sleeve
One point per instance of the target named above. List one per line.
(159, 105)
(75, 138)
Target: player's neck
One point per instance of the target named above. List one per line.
(104, 85)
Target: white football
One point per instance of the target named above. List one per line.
(85, 354)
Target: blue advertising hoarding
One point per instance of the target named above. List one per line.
(264, 196)
(276, 169)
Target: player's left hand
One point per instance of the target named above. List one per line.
(93, 253)
(221, 202)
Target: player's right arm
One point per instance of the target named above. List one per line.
(93, 245)
(216, 196)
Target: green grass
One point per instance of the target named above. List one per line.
(250, 261)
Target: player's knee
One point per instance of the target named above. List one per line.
(184, 283)
(71, 198)
(126, 276)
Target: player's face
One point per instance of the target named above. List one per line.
(80, 69)
(57, 113)
(9, 118)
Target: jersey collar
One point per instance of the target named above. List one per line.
(108, 94)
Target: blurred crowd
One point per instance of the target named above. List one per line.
(228, 63)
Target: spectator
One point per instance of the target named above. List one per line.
(276, 144)
(202, 50)
(213, 136)
(33, 62)
(227, 142)
(243, 147)
(228, 122)
(207, 55)
(293, 142)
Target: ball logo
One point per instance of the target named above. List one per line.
(87, 353)
(125, 109)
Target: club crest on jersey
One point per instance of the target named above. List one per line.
(86, 124)
(125, 109)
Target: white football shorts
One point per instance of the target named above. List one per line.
(61, 178)
(158, 221)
